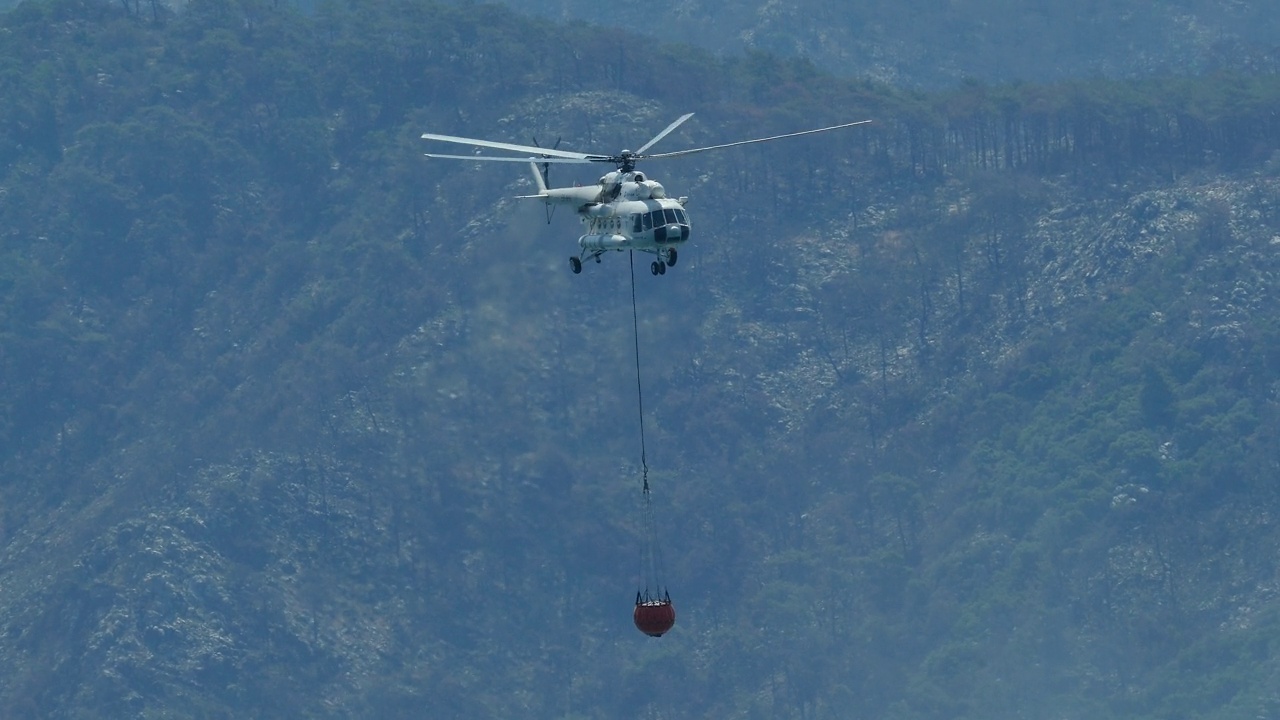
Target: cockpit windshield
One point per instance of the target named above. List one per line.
(659, 218)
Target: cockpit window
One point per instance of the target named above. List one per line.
(684, 219)
(648, 221)
(671, 215)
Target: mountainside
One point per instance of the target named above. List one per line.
(969, 413)
(931, 44)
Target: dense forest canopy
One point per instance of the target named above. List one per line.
(931, 44)
(968, 413)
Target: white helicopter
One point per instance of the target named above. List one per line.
(624, 210)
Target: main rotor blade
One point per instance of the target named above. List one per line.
(677, 153)
(664, 133)
(500, 158)
(512, 147)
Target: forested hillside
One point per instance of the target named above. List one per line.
(937, 44)
(970, 413)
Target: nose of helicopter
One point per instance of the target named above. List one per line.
(673, 233)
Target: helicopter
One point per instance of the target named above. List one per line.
(624, 210)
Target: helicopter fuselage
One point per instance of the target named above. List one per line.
(624, 211)
(646, 225)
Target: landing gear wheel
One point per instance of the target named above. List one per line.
(662, 268)
(656, 268)
(671, 257)
(575, 265)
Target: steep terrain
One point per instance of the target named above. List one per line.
(971, 413)
(931, 44)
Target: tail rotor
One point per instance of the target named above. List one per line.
(546, 166)
(545, 169)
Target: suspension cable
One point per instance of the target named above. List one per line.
(635, 325)
(650, 555)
